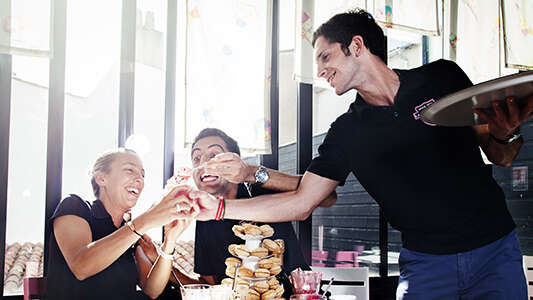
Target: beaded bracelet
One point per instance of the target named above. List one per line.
(164, 255)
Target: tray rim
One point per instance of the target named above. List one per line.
(468, 93)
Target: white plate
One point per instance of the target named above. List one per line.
(456, 109)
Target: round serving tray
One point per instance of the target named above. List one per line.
(456, 109)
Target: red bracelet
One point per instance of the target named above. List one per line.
(220, 209)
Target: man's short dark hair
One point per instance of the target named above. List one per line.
(231, 144)
(341, 28)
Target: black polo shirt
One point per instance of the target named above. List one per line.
(118, 281)
(430, 181)
(213, 238)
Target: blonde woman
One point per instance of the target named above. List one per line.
(92, 253)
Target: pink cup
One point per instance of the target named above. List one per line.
(308, 297)
(306, 282)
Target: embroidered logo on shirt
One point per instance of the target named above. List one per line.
(420, 108)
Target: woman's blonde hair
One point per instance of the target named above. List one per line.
(103, 164)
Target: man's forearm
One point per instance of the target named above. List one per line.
(287, 206)
(278, 181)
(281, 207)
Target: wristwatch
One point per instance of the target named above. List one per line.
(508, 141)
(261, 175)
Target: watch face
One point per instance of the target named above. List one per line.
(261, 176)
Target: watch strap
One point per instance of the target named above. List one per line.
(508, 141)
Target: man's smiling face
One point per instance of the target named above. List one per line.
(203, 150)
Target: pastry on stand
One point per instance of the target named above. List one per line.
(259, 260)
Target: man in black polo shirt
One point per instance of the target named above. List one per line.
(212, 238)
(430, 181)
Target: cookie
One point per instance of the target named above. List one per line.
(275, 261)
(266, 230)
(231, 249)
(271, 246)
(230, 271)
(275, 270)
(252, 229)
(262, 273)
(242, 251)
(273, 282)
(238, 229)
(232, 262)
(265, 263)
(281, 244)
(270, 294)
(227, 281)
(260, 286)
(260, 252)
(245, 272)
(253, 295)
(279, 291)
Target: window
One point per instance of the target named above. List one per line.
(149, 107)
(27, 173)
(92, 89)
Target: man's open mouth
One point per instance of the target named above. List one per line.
(208, 178)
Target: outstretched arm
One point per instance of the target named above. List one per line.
(231, 167)
(287, 206)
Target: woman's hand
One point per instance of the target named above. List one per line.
(175, 228)
(175, 205)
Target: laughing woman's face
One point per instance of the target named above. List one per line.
(125, 180)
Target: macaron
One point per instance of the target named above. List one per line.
(266, 230)
(270, 294)
(265, 263)
(233, 261)
(231, 249)
(279, 291)
(252, 229)
(273, 282)
(253, 295)
(238, 229)
(275, 270)
(242, 251)
(281, 244)
(245, 272)
(227, 281)
(271, 246)
(230, 271)
(260, 286)
(275, 260)
(262, 273)
(260, 252)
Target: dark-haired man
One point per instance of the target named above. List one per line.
(214, 237)
(430, 181)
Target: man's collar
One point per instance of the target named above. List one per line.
(359, 106)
